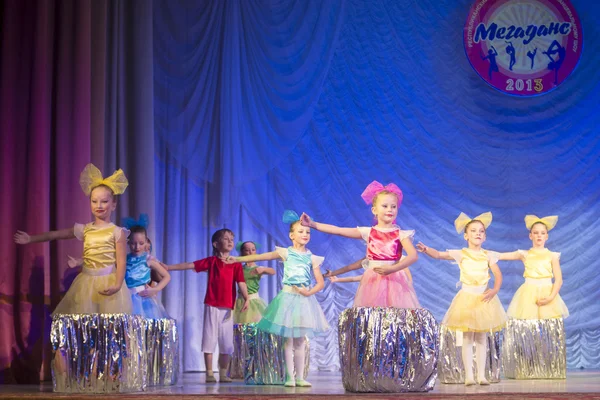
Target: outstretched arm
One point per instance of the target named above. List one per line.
(24, 238)
(350, 267)
(264, 271)
(353, 233)
(490, 293)
(558, 281)
(335, 279)
(433, 253)
(179, 267)
(510, 256)
(272, 255)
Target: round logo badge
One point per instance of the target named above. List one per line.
(523, 47)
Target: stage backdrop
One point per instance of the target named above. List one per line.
(225, 113)
(266, 105)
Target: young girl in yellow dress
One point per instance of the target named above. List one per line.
(538, 297)
(476, 309)
(99, 287)
(537, 300)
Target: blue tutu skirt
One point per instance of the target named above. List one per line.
(148, 307)
(292, 315)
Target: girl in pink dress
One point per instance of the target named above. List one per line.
(385, 282)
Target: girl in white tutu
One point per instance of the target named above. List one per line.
(294, 313)
(252, 275)
(538, 297)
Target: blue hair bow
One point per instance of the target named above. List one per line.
(290, 216)
(143, 221)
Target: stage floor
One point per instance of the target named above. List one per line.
(580, 384)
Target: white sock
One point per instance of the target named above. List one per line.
(467, 355)
(299, 355)
(288, 356)
(481, 354)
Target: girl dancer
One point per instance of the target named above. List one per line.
(385, 282)
(252, 275)
(99, 287)
(139, 267)
(294, 313)
(475, 309)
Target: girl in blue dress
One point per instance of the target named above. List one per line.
(294, 313)
(140, 265)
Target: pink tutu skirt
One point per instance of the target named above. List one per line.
(394, 290)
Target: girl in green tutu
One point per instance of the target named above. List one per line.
(294, 313)
(252, 275)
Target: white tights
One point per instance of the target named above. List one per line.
(294, 351)
(480, 352)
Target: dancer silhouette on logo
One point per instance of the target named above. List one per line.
(555, 64)
(510, 50)
(531, 55)
(492, 53)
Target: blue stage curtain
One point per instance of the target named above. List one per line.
(262, 106)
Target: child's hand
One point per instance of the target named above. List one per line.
(148, 292)
(327, 274)
(73, 262)
(257, 271)
(246, 304)
(229, 259)
(543, 301)
(305, 220)
(384, 271)
(421, 247)
(109, 291)
(488, 295)
(334, 278)
(303, 291)
(21, 237)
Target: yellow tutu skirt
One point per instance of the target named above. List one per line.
(83, 297)
(254, 313)
(523, 304)
(468, 313)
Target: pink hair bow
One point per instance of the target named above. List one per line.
(375, 187)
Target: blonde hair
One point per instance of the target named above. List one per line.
(383, 192)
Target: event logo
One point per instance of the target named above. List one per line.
(523, 47)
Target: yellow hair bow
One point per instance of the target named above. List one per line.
(91, 177)
(463, 219)
(549, 221)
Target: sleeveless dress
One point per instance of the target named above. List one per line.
(291, 314)
(538, 284)
(384, 247)
(256, 305)
(467, 312)
(98, 273)
(137, 278)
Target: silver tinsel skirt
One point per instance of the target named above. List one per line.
(534, 349)
(112, 353)
(450, 365)
(388, 349)
(258, 356)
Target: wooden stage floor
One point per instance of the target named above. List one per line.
(580, 384)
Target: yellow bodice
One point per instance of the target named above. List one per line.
(99, 244)
(474, 266)
(538, 263)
